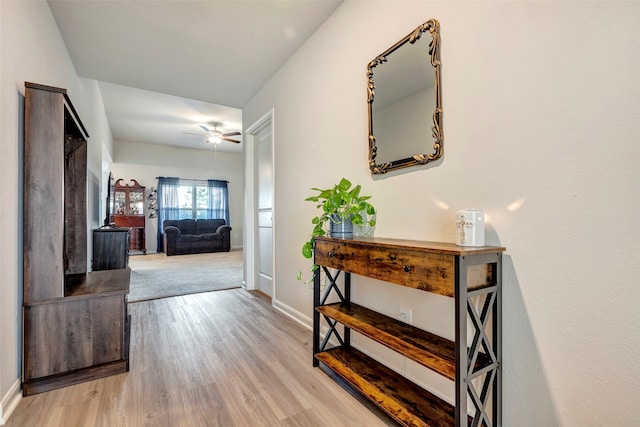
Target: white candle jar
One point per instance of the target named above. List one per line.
(470, 227)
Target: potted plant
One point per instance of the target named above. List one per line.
(341, 206)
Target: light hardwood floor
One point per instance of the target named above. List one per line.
(224, 358)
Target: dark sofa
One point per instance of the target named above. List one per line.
(189, 236)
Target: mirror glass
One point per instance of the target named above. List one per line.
(405, 108)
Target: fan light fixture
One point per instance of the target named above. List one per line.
(214, 138)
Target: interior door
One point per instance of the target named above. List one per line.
(264, 176)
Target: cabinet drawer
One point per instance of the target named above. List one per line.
(414, 268)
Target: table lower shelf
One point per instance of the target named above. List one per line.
(425, 348)
(406, 402)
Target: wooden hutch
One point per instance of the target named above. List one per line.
(75, 323)
(128, 211)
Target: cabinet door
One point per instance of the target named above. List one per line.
(136, 202)
(58, 338)
(110, 250)
(43, 202)
(119, 202)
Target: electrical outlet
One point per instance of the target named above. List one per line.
(404, 315)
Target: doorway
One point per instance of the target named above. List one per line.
(260, 212)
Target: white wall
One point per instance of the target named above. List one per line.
(145, 162)
(31, 49)
(94, 117)
(541, 107)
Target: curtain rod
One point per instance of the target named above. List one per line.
(192, 179)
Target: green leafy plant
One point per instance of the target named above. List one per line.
(337, 204)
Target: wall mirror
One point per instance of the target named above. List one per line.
(404, 102)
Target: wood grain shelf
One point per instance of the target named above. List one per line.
(423, 347)
(95, 283)
(405, 401)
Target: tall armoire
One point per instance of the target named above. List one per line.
(75, 323)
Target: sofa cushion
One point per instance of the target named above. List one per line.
(190, 238)
(186, 226)
(204, 226)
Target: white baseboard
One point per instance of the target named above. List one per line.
(304, 320)
(9, 402)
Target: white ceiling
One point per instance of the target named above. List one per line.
(156, 118)
(166, 66)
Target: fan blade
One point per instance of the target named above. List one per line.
(231, 140)
(232, 134)
(191, 133)
(206, 129)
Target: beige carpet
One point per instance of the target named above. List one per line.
(159, 276)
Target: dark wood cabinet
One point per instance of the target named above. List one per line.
(128, 211)
(75, 323)
(472, 276)
(110, 248)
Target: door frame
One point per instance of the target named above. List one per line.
(251, 203)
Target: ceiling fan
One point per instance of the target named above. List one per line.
(214, 136)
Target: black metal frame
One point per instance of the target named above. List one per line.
(318, 300)
(488, 314)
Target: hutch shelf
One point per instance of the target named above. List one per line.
(470, 275)
(128, 211)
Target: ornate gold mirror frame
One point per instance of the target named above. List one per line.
(433, 27)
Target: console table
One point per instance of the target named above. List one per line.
(470, 275)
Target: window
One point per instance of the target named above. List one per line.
(193, 201)
(202, 199)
